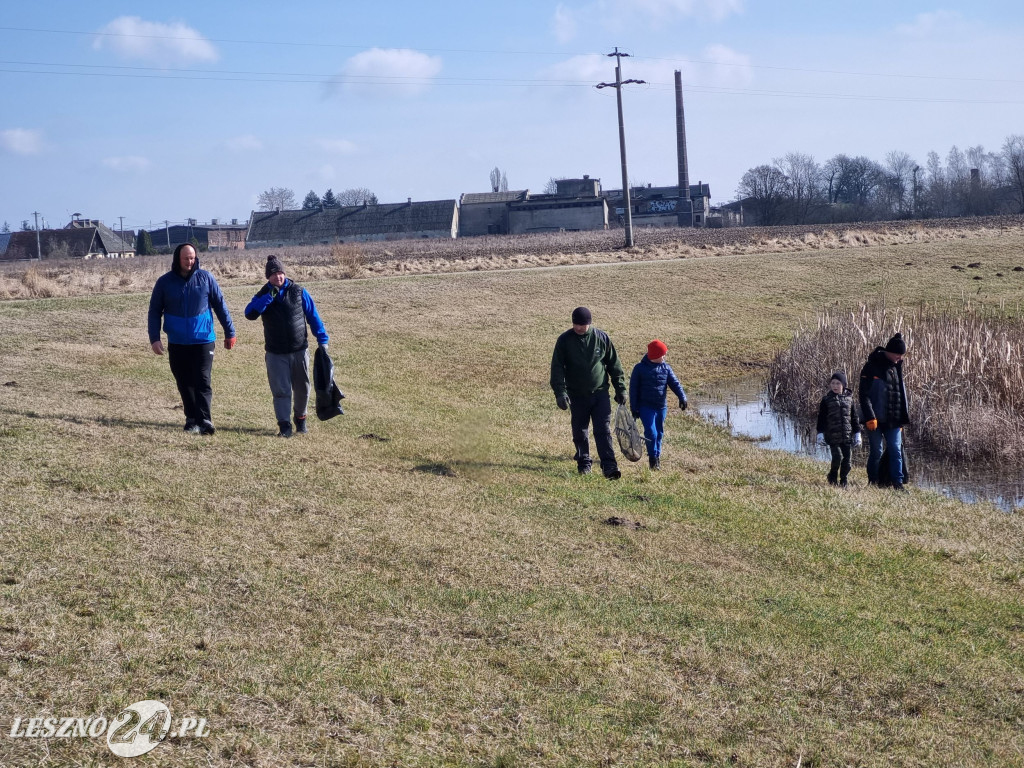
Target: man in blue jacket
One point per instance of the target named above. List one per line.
(286, 307)
(187, 298)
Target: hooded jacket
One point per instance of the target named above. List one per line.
(187, 306)
(837, 418)
(882, 393)
(649, 383)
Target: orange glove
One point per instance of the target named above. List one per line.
(230, 343)
(871, 424)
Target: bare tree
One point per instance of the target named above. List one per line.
(899, 182)
(765, 186)
(499, 181)
(1013, 157)
(356, 196)
(803, 184)
(551, 188)
(276, 199)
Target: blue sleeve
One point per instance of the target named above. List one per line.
(673, 382)
(216, 299)
(156, 311)
(313, 318)
(258, 305)
(634, 387)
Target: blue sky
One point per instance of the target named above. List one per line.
(153, 111)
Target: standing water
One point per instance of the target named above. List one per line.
(745, 408)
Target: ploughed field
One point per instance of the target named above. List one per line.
(426, 581)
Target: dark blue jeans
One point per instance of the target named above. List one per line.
(893, 439)
(596, 407)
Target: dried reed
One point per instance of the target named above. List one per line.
(963, 372)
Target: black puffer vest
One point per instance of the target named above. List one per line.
(284, 322)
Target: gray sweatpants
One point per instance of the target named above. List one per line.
(288, 374)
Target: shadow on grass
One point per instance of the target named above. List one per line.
(109, 421)
(455, 468)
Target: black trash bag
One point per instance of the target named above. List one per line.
(328, 395)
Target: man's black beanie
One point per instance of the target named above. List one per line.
(581, 316)
(897, 345)
(273, 265)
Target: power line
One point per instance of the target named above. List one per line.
(364, 46)
(376, 80)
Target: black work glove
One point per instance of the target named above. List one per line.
(562, 401)
(682, 404)
(620, 398)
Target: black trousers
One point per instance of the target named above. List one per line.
(840, 463)
(596, 407)
(192, 366)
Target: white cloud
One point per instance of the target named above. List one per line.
(587, 68)
(386, 71)
(930, 24)
(663, 10)
(164, 44)
(336, 146)
(728, 67)
(21, 141)
(564, 24)
(244, 143)
(127, 164)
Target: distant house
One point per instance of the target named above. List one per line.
(487, 213)
(551, 213)
(354, 223)
(226, 238)
(576, 205)
(172, 235)
(663, 207)
(88, 239)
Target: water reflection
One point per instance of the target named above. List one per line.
(744, 407)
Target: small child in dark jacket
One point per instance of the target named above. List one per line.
(648, 383)
(838, 427)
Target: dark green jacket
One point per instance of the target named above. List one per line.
(582, 365)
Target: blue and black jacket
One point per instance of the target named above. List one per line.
(649, 382)
(187, 305)
(285, 313)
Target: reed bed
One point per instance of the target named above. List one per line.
(963, 372)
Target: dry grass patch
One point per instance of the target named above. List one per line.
(445, 593)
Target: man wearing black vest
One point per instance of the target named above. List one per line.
(582, 366)
(286, 308)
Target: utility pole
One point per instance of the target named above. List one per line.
(167, 231)
(39, 247)
(617, 85)
(122, 233)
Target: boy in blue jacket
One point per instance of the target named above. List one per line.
(648, 384)
(186, 298)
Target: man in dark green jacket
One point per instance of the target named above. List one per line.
(583, 363)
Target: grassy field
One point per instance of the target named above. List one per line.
(425, 581)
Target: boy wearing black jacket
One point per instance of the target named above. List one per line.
(838, 427)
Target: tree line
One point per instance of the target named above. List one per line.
(795, 189)
(283, 199)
